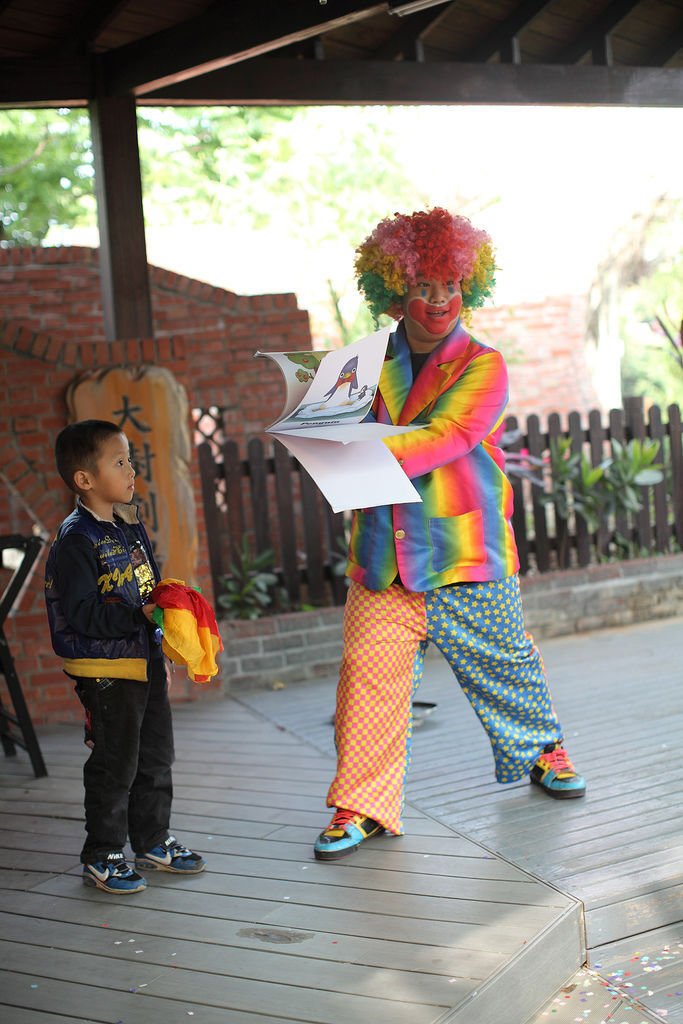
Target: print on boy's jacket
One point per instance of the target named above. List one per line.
(85, 655)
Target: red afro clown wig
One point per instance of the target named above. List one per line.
(431, 244)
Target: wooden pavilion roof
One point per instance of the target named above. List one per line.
(62, 52)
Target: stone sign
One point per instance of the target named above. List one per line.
(151, 409)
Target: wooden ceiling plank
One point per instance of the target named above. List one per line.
(97, 18)
(661, 56)
(217, 39)
(605, 23)
(402, 42)
(279, 82)
(518, 20)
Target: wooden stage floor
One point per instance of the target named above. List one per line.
(481, 913)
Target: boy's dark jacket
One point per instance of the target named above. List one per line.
(92, 597)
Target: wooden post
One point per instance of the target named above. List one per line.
(537, 444)
(286, 520)
(562, 535)
(518, 508)
(212, 517)
(661, 513)
(583, 537)
(622, 521)
(596, 440)
(123, 254)
(635, 426)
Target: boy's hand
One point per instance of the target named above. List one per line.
(148, 611)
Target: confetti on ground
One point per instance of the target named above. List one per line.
(583, 999)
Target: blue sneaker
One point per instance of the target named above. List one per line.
(344, 834)
(171, 856)
(113, 875)
(555, 773)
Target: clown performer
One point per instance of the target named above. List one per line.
(444, 569)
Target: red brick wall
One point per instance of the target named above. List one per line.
(545, 347)
(51, 330)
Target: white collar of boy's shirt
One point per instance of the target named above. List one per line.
(127, 512)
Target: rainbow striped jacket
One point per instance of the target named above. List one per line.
(462, 530)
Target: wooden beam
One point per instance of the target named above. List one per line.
(123, 254)
(273, 81)
(224, 35)
(44, 83)
(500, 38)
(510, 51)
(605, 23)
(601, 51)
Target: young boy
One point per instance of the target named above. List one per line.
(99, 575)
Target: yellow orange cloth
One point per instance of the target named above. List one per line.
(191, 636)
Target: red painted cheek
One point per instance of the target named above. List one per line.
(435, 319)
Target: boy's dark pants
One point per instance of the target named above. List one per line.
(127, 778)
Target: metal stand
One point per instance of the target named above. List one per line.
(16, 730)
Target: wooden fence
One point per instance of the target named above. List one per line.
(269, 498)
(272, 501)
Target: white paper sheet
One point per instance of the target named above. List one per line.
(360, 474)
(327, 396)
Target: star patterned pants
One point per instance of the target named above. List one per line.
(479, 629)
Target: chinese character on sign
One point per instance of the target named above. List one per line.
(142, 460)
(126, 413)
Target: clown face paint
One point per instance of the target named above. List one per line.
(431, 309)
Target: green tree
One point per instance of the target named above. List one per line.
(652, 314)
(327, 174)
(46, 174)
(323, 175)
(191, 160)
(201, 161)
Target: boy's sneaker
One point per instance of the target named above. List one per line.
(555, 773)
(113, 875)
(171, 856)
(344, 834)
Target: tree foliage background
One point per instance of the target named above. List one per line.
(651, 313)
(206, 165)
(46, 173)
(328, 176)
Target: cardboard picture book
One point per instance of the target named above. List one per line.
(328, 395)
